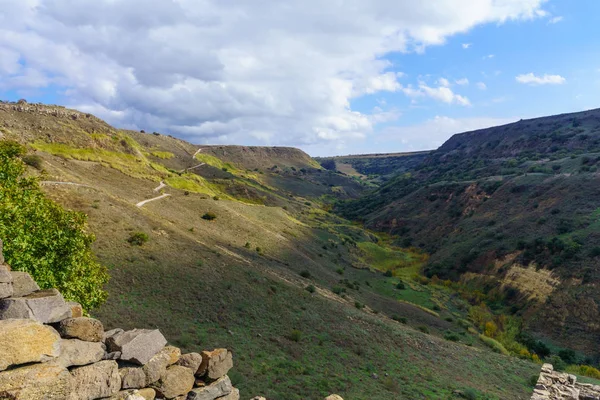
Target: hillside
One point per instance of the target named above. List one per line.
(238, 250)
(513, 211)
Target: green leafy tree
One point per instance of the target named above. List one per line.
(42, 238)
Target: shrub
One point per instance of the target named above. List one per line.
(42, 238)
(494, 345)
(247, 245)
(295, 335)
(584, 370)
(138, 238)
(451, 336)
(400, 319)
(305, 274)
(311, 289)
(423, 328)
(388, 273)
(209, 216)
(358, 305)
(400, 286)
(340, 271)
(33, 160)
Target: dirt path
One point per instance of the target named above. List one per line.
(142, 203)
(162, 185)
(196, 153)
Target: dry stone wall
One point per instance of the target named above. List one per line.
(554, 385)
(49, 350)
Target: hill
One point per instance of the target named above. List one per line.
(238, 250)
(513, 211)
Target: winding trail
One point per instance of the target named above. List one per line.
(142, 203)
(162, 185)
(196, 153)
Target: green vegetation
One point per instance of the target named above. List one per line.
(41, 238)
(138, 238)
(163, 155)
(209, 216)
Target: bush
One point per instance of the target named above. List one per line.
(451, 336)
(295, 335)
(42, 238)
(138, 238)
(494, 345)
(209, 216)
(311, 289)
(400, 319)
(33, 160)
(423, 328)
(305, 274)
(359, 305)
(388, 273)
(400, 286)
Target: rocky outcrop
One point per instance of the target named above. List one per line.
(554, 385)
(48, 350)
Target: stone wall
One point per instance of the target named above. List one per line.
(554, 385)
(43, 109)
(49, 350)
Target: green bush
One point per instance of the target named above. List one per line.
(494, 345)
(451, 336)
(305, 274)
(423, 329)
(138, 238)
(295, 335)
(209, 216)
(311, 289)
(400, 286)
(400, 319)
(33, 160)
(42, 238)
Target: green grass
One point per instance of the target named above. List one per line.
(163, 155)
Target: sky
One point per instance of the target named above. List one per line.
(331, 77)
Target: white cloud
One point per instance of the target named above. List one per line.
(462, 81)
(531, 79)
(489, 56)
(441, 93)
(434, 132)
(267, 72)
(481, 86)
(555, 20)
(444, 82)
(466, 45)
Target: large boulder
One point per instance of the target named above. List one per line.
(234, 395)
(219, 388)
(23, 284)
(132, 377)
(127, 395)
(95, 381)
(216, 363)
(157, 366)
(191, 361)
(6, 287)
(147, 393)
(36, 382)
(76, 352)
(24, 341)
(46, 306)
(82, 328)
(176, 381)
(137, 346)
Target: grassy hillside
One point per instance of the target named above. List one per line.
(247, 256)
(513, 211)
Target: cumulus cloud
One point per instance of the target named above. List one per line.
(440, 93)
(264, 72)
(466, 45)
(444, 82)
(532, 79)
(481, 86)
(462, 81)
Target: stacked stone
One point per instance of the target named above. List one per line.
(554, 385)
(48, 350)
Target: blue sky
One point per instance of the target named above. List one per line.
(337, 78)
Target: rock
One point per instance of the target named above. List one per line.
(234, 395)
(115, 355)
(216, 363)
(76, 352)
(5, 275)
(334, 397)
(258, 398)
(157, 365)
(35, 382)
(111, 333)
(46, 306)
(23, 284)
(173, 352)
(97, 380)
(24, 341)
(82, 328)
(127, 395)
(6, 290)
(219, 388)
(138, 345)
(176, 381)
(132, 377)
(147, 393)
(76, 309)
(191, 361)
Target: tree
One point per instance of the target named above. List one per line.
(43, 239)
